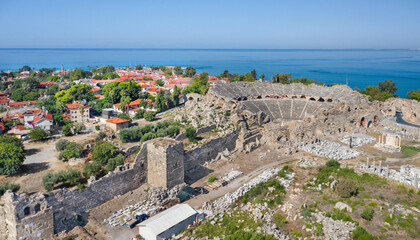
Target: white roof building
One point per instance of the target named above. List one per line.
(168, 223)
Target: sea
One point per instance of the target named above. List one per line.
(357, 68)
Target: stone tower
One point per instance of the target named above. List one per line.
(165, 163)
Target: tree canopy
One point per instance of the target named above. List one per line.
(189, 72)
(76, 92)
(414, 94)
(12, 155)
(382, 92)
(103, 152)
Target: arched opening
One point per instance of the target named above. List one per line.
(370, 123)
(355, 108)
(329, 100)
(37, 208)
(376, 119)
(190, 98)
(312, 99)
(363, 122)
(245, 98)
(348, 109)
(26, 211)
(321, 100)
(258, 97)
(303, 96)
(293, 97)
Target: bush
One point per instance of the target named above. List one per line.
(37, 134)
(149, 116)
(332, 163)
(140, 114)
(367, 213)
(67, 130)
(100, 136)
(147, 136)
(91, 169)
(97, 127)
(73, 150)
(212, 179)
(191, 134)
(361, 234)
(124, 116)
(346, 188)
(7, 186)
(61, 144)
(114, 162)
(73, 176)
(79, 127)
(49, 180)
(103, 152)
(12, 154)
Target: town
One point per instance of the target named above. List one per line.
(159, 152)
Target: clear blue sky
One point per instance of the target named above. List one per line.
(210, 24)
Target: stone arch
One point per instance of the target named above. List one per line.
(321, 99)
(329, 100)
(363, 122)
(293, 97)
(37, 208)
(303, 96)
(370, 123)
(245, 98)
(376, 119)
(349, 109)
(26, 211)
(312, 99)
(258, 97)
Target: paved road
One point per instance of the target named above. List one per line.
(400, 120)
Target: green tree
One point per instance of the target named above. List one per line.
(160, 83)
(124, 104)
(79, 127)
(92, 169)
(138, 67)
(189, 72)
(149, 116)
(143, 103)
(12, 155)
(37, 134)
(191, 134)
(61, 144)
(140, 114)
(178, 70)
(176, 95)
(25, 68)
(160, 102)
(77, 74)
(53, 78)
(67, 130)
(414, 94)
(103, 152)
(73, 176)
(125, 116)
(73, 150)
(388, 86)
(254, 74)
(76, 92)
(114, 162)
(262, 76)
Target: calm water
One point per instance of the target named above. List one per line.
(363, 67)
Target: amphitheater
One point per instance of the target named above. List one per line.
(288, 101)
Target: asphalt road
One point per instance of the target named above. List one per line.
(400, 120)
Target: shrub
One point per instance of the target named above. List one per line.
(367, 213)
(346, 188)
(12, 154)
(67, 130)
(100, 136)
(359, 233)
(49, 180)
(61, 144)
(79, 127)
(172, 131)
(37, 134)
(91, 169)
(103, 152)
(124, 116)
(7, 186)
(73, 150)
(332, 163)
(73, 176)
(140, 114)
(149, 116)
(147, 136)
(97, 127)
(191, 134)
(114, 162)
(212, 179)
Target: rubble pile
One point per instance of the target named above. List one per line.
(357, 139)
(408, 174)
(126, 214)
(334, 229)
(330, 150)
(158, 194)
(232, 175)
(306, 163)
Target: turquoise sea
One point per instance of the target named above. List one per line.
(362, 67)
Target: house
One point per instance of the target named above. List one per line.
(77, 112)
(18, 105)
(168, 223)
(4, 103)
(117, 124)
(95, 90)
(44, 120)
(28, 117)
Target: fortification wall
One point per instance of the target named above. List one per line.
(209, 150)
(69, 206)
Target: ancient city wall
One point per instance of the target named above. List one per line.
(67, 204)
(209, 150)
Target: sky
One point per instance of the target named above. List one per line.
(219, 24)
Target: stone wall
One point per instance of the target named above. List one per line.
(209, 150)
(69, 206)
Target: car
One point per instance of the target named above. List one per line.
(201, 190)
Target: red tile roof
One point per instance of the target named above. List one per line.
(20, 127)
(73, 105)
(4, 100)
(43, 116)
(21, 103)
(117, 120)
(95, 89)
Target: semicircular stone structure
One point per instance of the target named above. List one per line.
(287, 101)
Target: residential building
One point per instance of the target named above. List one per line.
(117, 124)
(77, 112)
(4, 103)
